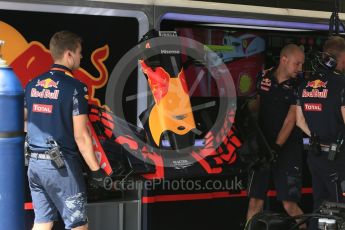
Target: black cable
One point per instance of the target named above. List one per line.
(307, 217)
(321, 212)
(335, 25)
(314, 215)
(336, 11)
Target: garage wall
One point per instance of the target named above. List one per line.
(323, 5)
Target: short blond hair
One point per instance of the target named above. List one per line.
(62, 41)
(335, 45)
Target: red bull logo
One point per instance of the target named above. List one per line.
(265, 84)
(30, 59)
(47, 83)
(317, 84)
(45, 93)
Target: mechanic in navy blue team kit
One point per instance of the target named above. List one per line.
(321, 115)
(276, 105)
(56, 114)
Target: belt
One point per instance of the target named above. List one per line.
(41, 156)
(325, 148)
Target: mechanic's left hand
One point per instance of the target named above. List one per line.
(276, 149)
(98, 179)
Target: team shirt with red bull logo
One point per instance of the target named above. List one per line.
(321, 98)
(275, 101)
(52, 100)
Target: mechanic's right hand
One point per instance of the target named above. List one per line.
(98, 179)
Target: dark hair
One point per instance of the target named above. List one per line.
(62, 41)
(334, 46)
